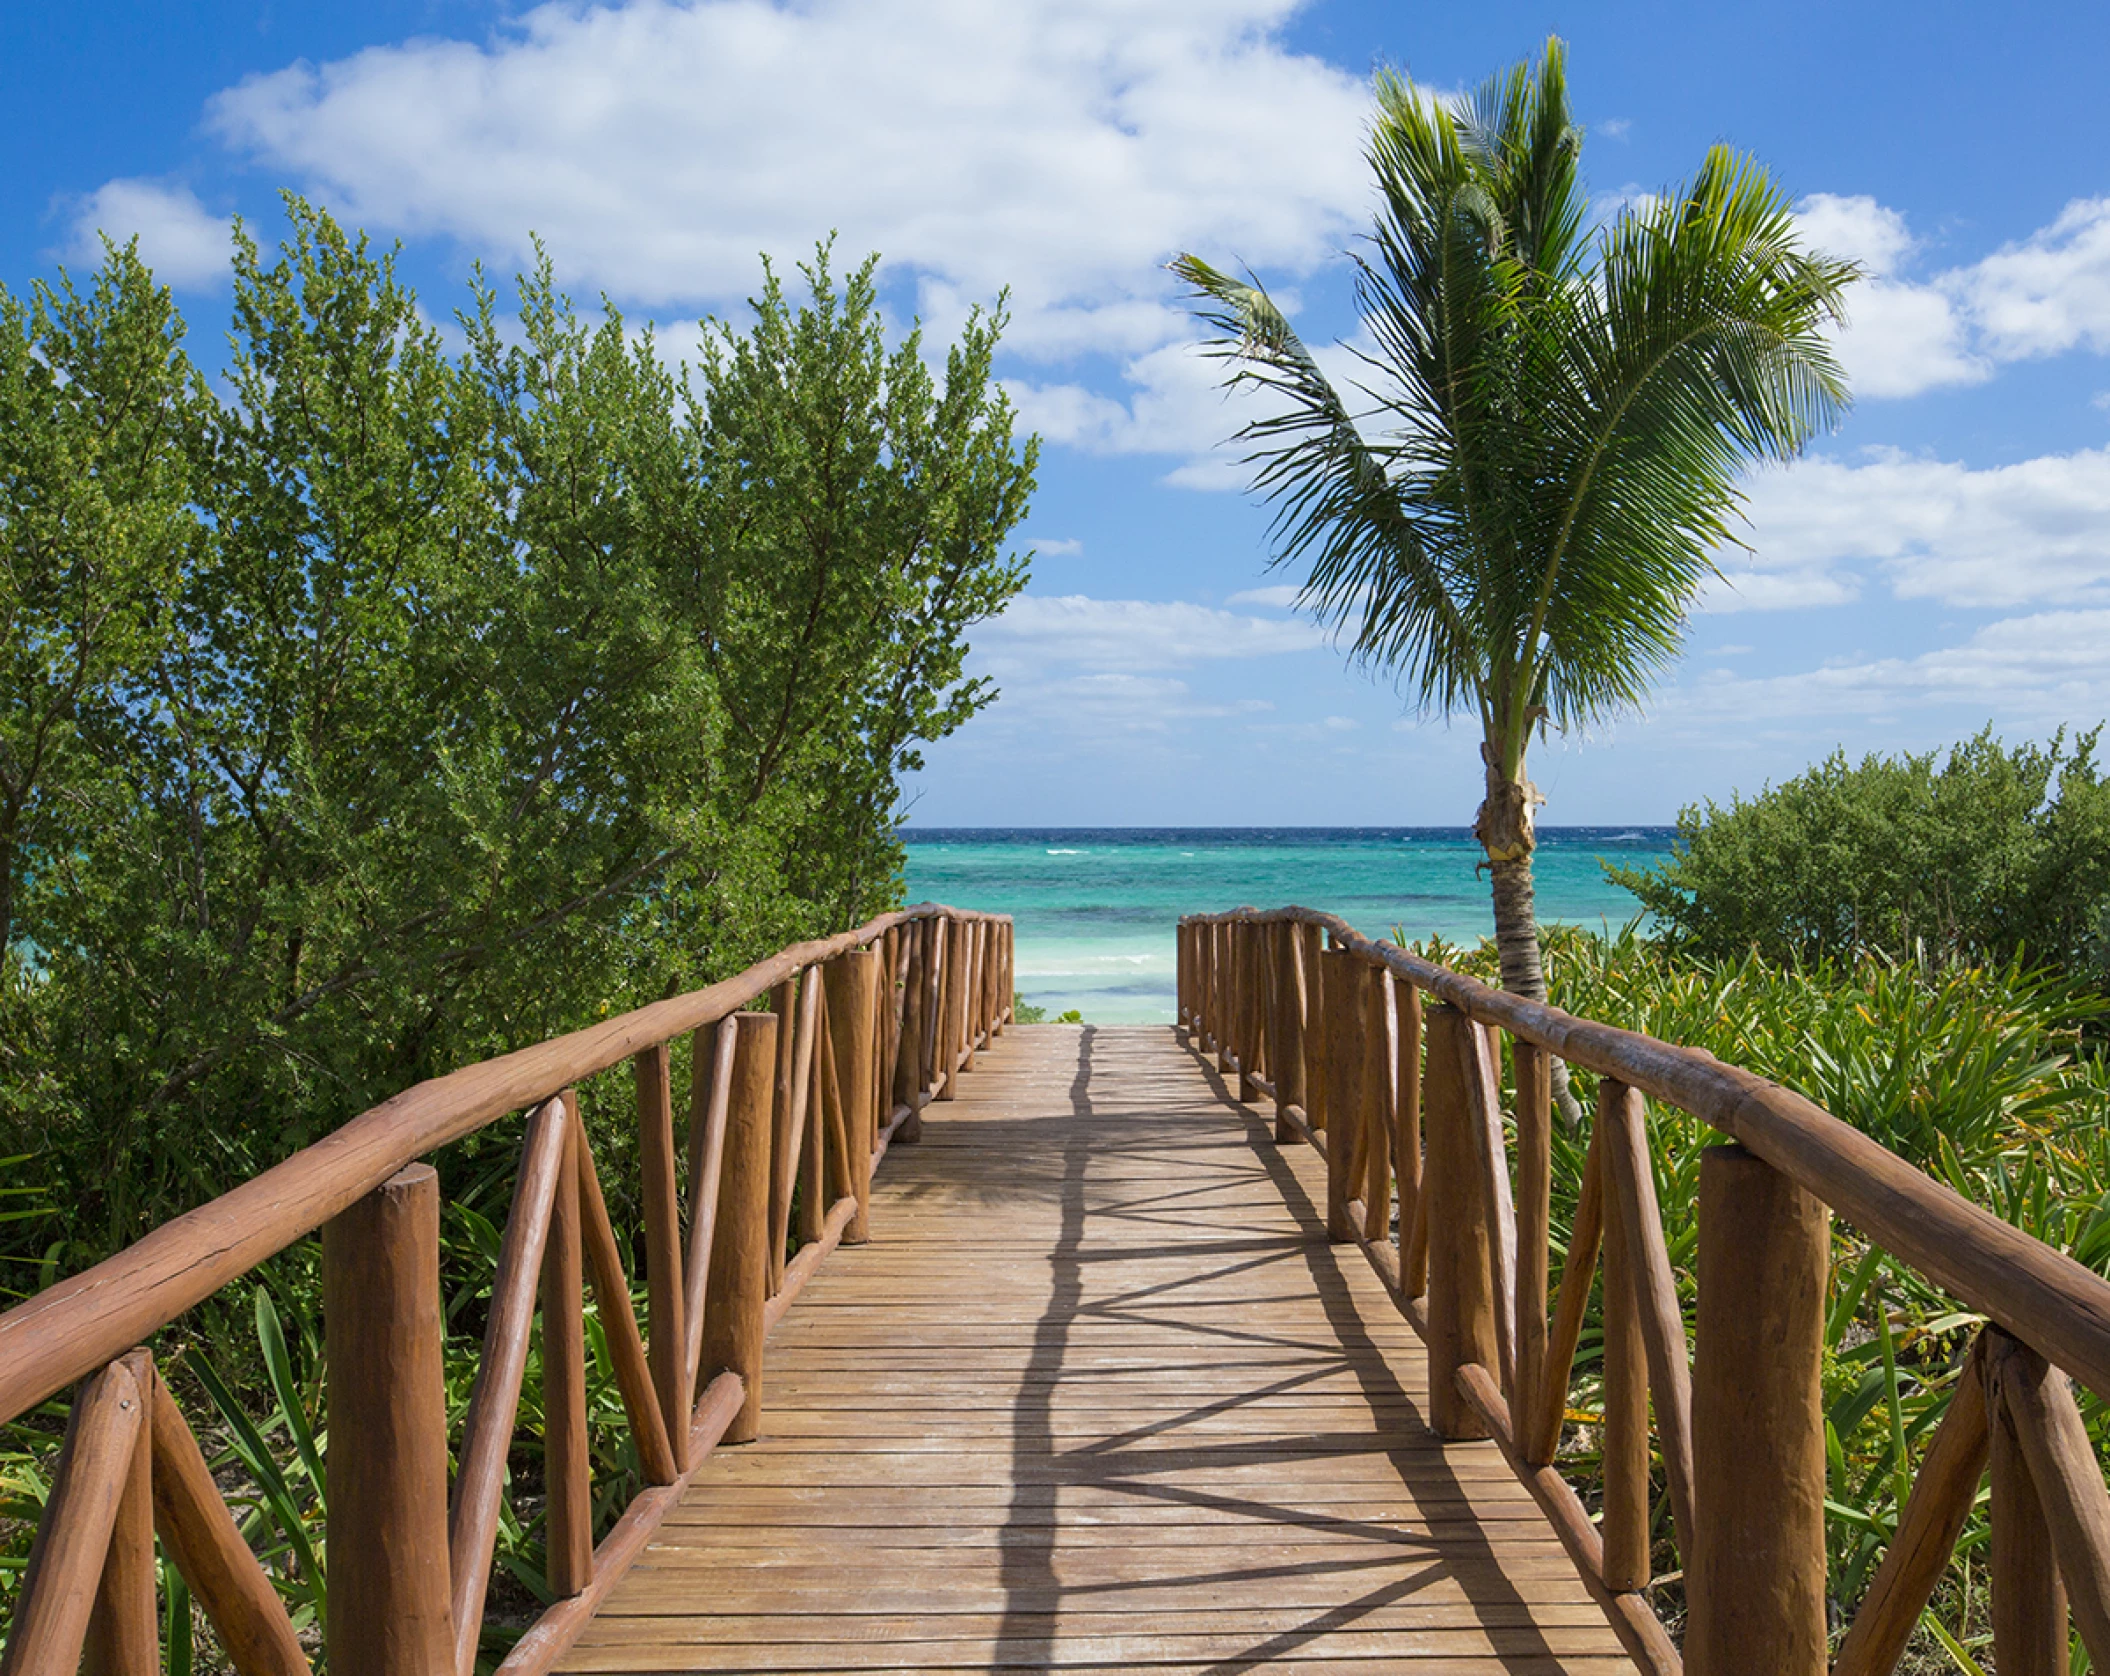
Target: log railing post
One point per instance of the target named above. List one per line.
(1179, 976)
(999, 965)
(1286, 1014)
(387, 1462)
(1406, 1148)
(2028, 1597)
(1196, 967)
(853, 991)
(1534, 1082)
(889, 1018)
(1212, 986)
(1630, 1177)
(1198, 981)
(1625, 1522)
(1316, 1028)
(665, 1289)
(940, 978)
(953, 1009)
(1223, 1000)
(1461, 1309)
(1242, 1046)
(63, 1591)
(902, 1085)
(124, 1629)
(972, 971)
(1754, 1581)
(1201, 931)
(819, 1079)
(909, 1085)
(566, 1458)
(1259, 1058)
(999, 976)
(1377, 1112)
(738, 1292)
(1343, 1084)
(785, 1003)
(985, 980)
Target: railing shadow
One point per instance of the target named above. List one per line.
(1484, 1581)
(1026, 1567)
(1131, 1463)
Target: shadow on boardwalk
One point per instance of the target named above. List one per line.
(1099, 1396)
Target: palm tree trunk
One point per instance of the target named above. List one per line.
(1517, 927)
(1504, 828)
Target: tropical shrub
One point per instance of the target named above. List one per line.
(398, 698)
(389, 705)
(1985, 854)
(1979, 1075)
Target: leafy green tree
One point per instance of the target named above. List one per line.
(97, 408)
(469, 696)
(851, 520)
(1982, 854)
(1563, 411)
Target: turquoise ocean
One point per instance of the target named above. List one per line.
(1095, 908)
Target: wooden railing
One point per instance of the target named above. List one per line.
(1392, 1066)
(789, 1111)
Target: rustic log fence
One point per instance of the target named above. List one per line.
(789, 1112)
(1391, 1067)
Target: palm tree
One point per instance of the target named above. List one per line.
(1564, 407)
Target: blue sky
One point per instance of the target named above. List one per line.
(1942, 562)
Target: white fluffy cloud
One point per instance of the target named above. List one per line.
(2044, 295)
(1900, 338)
(2032, 671)
(1038, 630)
(183, 242)
(2051, 292)
(2037, 531)
(1078, 672)
(1062, 147)
(1281, 595)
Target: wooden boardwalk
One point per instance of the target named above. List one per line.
(1099, 1396)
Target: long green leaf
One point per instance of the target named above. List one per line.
(254, 1453)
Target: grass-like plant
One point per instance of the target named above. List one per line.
(1979, 1075)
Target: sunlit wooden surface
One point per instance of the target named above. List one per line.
(1099, 1396)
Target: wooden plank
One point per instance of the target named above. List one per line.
(1100, 1395)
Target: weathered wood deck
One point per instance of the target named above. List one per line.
(1099, 1395)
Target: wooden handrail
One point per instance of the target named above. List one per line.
(2042, 1296)
(72, 1328)
(398, 1562)
(1738, 1416)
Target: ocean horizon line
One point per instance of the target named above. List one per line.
(1449, 829)
(1613, 836)
(1096, 906)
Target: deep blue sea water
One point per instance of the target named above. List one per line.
(1096, 907)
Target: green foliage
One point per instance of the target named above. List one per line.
(1987, 853)
(394, 707)
(1566, 404)
(384, 706)
(1978, 1075)
(1023, 1012)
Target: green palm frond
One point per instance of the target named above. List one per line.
(1553, 419)
(1337, 504)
